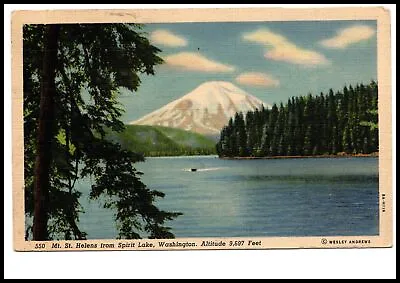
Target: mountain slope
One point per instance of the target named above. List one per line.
(162, 141)
(204, 110)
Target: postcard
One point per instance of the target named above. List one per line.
(199, 129)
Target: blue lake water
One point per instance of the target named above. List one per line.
(269, 197)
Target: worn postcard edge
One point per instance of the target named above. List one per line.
(382, 16)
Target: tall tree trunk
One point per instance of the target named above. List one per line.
(45, 134)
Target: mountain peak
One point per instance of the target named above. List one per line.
(217, 83)
(205, 110)
(220, 86)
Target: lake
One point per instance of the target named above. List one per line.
(263, 197)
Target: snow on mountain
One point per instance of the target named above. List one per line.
(204, 110)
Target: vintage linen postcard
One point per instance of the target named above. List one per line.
(201, 129)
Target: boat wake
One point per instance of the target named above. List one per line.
(202, 169)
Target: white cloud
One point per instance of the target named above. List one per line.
(279, 48)
(167, 38)
(257, 79)
(349, 36)
(191, 61)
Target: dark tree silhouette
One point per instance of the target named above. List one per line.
(72, 77)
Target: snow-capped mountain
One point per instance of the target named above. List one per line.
(204, 110)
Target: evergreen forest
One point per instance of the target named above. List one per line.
(334, 123)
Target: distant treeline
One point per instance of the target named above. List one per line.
(162, 141)
(326, 124)
(182, 151)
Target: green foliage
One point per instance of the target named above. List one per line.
(308, 125)
(93, 62)
(373, 116)
(162, 141)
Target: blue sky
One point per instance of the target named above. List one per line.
(270, 60)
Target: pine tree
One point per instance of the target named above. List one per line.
(346, 139)
(277, 140)
(241, 134)
(232, 139)
(265, 142)
(251, 130)
(64, 133)
(307, 141)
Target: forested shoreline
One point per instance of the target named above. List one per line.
(153, 141)
(342, 123)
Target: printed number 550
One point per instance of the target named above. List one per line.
(40, 246)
